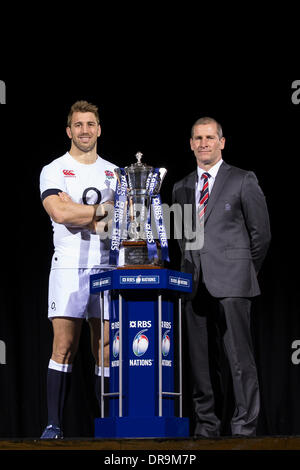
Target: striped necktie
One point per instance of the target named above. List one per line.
(204, 195)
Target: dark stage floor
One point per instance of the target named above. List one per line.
(289, 443)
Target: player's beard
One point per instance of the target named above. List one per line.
(84, 148)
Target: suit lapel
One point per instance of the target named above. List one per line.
(221, 177)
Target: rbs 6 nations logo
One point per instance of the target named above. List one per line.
(116, 344)
(140, 343)
(166, 343)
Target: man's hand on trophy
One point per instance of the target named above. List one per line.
(102, 221)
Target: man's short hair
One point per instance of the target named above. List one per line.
(83, 107)
(207, 120)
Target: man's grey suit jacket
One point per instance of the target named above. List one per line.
(236, 233)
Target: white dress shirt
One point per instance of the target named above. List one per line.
(199, 184)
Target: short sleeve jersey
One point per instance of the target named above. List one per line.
(76, 246)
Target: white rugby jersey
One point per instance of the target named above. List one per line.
(75, 246)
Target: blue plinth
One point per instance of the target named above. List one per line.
(136, 291)
(134, 427)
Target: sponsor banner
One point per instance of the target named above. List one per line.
(118, 221)
(139, 280)
(140, 362)
(102, 282)
(177, 281)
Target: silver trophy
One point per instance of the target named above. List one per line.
(143, 183)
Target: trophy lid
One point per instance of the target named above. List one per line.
(139, 166)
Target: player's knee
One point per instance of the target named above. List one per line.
(63, 353)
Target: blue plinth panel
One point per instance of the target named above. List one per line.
(141, 279)
(139, 289)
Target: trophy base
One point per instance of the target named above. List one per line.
(135, 254)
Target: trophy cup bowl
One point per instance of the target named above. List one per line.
(133, 251)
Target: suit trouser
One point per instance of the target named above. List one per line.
(233, 318)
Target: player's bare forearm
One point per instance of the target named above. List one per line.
(101, 219)
(63, 210)
(77, 214)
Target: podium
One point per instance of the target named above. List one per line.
(145, 394)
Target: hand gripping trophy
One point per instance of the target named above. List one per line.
(132, 241)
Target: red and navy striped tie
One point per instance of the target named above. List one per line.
(204, 195)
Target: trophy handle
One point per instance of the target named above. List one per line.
(162, 174)
(117, 172)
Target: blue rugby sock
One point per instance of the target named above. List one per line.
(58, 382)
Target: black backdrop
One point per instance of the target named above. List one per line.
(151, 112)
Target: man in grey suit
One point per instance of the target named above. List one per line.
(230, 207)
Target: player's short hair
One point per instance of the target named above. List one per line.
(83, 107)
(208, 120)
